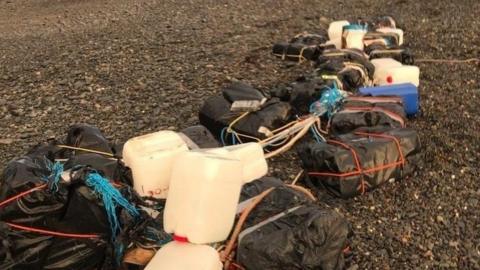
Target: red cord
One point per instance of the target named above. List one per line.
(47, 232)
(20, 195)
(360, 171)
(37, 230)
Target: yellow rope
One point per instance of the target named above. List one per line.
(297, 177)
(229, 129)
(448, 61)
(85, 150)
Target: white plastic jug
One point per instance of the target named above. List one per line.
(252, 157)
(205, 188)
(352, 36)
(389, 71)
(185, 256)
(335, 30)
(151, 157)
(397, 31)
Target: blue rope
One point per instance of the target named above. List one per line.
(327, 103)
(111, 198)
(56, 170)
(315, 135)
(233, 139)
(119, 249)
(222, 136)
(355, 26)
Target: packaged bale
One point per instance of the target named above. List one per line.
(301, 93)
(301, 48)
(200, 136)
(87, 136)
(354, 163)
(286, 230)
(350, 67)
(250, 119)
(358, 112)
(399, 53)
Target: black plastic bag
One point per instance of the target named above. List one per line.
(399, 53)
(216, 116)
(287, 231)
(302, 47)
(361, 161)
(238, 91)
(111, 168)
(27, 250)
(357, 112)
(89, 137)
(350, 66)
(301, 93)
(57, 220)
(201, 136)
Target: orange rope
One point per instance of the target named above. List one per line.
(360, 171)
(52, 233)
(238, 227)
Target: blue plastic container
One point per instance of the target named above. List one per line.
(408, 92)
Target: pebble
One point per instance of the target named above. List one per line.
(6, 141)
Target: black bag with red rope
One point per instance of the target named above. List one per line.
(288, 230)
(364, 111)
(71, 214)
(355, 163)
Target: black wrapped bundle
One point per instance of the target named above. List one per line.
(216, 115)
(399, 53)
(302, 47)
(55, 216)
(355, 163)
(287, 231)
(301, 93)
(357, 112)
(350, 66)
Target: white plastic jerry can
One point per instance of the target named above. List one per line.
(252, 157)
(205, 188)
(397, 31)
(151, 158)
(352, 36)
(335, 30)
(389, 71)
(185, 256)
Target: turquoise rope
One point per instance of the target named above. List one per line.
(111, 198)
(56, 170)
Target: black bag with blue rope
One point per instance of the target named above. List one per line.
(70, 215)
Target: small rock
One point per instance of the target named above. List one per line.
(88, 79)
(79, 84)
(440, 219)
(6, 141)
(428, 254)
